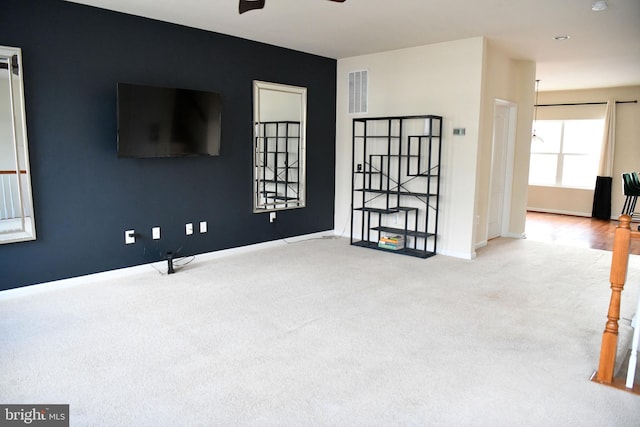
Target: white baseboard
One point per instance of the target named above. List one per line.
(559, 211)
(341, 233)
(508, 235)
(515, 235)
(481, 244)
(152, 267)
(454, 254)
(75, 281)
(264, 245)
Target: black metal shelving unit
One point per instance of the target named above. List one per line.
(277, 160)
(395, 182)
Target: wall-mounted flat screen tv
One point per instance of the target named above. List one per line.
(167, 122)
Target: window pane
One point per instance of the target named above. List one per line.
(579, 171)
(579, 141)
(550, 131)
(542, 169)
(583, 136)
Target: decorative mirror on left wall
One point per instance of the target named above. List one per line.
(279, 146)
(16, 204)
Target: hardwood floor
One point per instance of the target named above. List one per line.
(575, 231)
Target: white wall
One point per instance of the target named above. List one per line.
(443, 79)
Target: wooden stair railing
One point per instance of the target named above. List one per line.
(618, 277)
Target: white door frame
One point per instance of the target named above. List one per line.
(508, 167)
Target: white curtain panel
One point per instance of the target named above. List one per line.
(608, 140)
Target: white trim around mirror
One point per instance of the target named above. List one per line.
(16, 204)
(279, 146)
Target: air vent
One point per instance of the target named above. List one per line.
(358, 85)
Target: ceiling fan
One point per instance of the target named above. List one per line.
(247, 5)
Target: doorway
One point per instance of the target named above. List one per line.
(502, 152)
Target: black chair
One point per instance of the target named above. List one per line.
(631, 190)
(635, 179)
(635, 182)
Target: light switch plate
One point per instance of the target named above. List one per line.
(188, 229)
(203, 226)
(129, 237)
(155, 233)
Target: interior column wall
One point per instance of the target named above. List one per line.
(510, 80)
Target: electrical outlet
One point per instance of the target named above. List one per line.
(203, 226)
(155, 233)
(129, 237)
(188, 228)
(272, 217)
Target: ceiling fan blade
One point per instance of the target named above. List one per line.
(246, 5)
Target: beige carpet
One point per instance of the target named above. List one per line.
(321, 333)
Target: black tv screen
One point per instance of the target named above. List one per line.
(167, 122)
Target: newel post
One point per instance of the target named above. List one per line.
(618, 276)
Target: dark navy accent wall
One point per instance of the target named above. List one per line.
(85, 197)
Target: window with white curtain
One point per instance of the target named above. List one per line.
(568, 154)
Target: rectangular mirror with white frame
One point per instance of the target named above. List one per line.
(279, 138)
(16, 204)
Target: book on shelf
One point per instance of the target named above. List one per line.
(391, 242)
(392, 239)
(391, 247)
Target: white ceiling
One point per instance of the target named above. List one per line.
(603, 51)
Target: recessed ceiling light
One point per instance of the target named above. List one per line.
(599, 6)
(562, 38)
